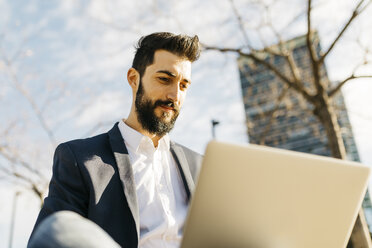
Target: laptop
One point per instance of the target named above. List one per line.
(261, 197)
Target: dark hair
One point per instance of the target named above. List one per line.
(181, 45)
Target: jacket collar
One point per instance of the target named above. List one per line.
(126, 173)
(183, 167)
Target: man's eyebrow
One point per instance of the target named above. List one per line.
(172, 75)
(167, 72)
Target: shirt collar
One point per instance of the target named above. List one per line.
(165, 140)
(134, 139)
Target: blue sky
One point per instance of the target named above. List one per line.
(71, 57)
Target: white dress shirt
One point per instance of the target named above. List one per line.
(160, 191)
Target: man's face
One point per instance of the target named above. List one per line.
(161, 92)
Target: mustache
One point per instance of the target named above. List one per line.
(167, 103)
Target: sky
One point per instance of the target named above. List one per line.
(70, 57)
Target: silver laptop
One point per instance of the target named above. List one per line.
(260, 197)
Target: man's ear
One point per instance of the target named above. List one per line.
(133, 78)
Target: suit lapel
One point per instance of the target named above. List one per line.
(125, 172)
(183, 167)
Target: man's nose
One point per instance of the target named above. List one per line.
(174, 93)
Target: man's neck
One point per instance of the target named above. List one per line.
(133, 122)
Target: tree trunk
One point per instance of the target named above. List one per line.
(360, 236)
(324, 111)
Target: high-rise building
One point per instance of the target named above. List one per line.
(279, 116)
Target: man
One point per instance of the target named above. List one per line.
(133, 182)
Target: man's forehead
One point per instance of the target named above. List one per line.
(167, 61)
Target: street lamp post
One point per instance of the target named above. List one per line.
(214, 124)
(11, 232)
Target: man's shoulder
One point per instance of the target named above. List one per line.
(96, 140)
(95, 145)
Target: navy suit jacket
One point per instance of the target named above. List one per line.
(93, 177)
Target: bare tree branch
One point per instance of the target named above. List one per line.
(312, 52)
(272, 113)
(308, 34)
(241, 25)
(26, 179)
(355, 13)
(333, 91)
(268, 65)
(283, 52)
(7, 130)
(24, 164)
(31, 101)
(294, 68)
(288, 55)
(50, 99)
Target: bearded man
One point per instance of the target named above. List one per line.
(133, 182)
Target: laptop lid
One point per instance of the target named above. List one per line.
(256, 196)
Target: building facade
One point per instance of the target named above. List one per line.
(279, 116)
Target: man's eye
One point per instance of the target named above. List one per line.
(164, 79)
(183, 86)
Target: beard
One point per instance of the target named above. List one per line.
(145, 109)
